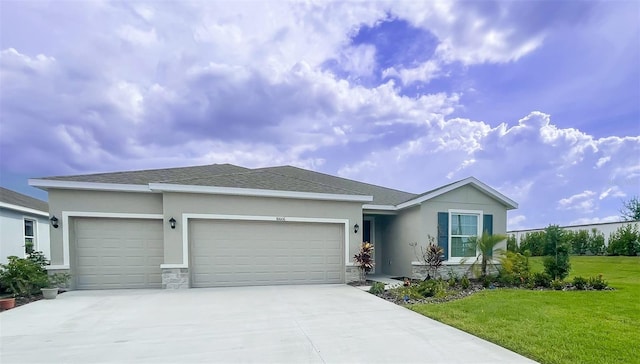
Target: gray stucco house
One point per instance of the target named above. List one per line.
(225, 225)
(24, 225)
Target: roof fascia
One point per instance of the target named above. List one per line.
(23, 209)
(167, 187)
(75, 185)
(467, 181)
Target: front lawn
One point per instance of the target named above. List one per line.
(557, 326)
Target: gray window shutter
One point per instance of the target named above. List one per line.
(443, 233)
(487, 226)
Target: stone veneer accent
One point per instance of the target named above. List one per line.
(352, 274)
(419, 270)
(175, 278)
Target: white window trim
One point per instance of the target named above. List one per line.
(480, 215)
(187, 216)
(35, 234)
(66, 260)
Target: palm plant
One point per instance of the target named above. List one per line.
(485, 246)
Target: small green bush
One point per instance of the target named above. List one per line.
(580, 283)
(598, 283)
(465, 283)
(541, 279)
(23, 277)
(557, 284)
(452, 282)
(514, 269)
(377, 288)
(410, 292)
(433, 288)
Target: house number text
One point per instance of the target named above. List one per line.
(280, 219)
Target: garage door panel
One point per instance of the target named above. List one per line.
(118, 253)
(231, 253)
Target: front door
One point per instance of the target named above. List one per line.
(368, 233)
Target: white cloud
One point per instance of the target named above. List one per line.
(582, 201)
(516, 222)
(612, 192)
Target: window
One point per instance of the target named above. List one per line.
(463, 226)
(29, 236)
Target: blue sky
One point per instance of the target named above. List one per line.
(540, 100)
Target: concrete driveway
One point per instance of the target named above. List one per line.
(283, 324)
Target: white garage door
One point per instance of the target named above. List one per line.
(118, 253)
(244, 253)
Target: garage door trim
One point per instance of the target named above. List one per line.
(187, 216)
(66, 257)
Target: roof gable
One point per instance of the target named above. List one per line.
(504, 200)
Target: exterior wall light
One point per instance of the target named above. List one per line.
(172, 223)
(356, 227)
(54, 222)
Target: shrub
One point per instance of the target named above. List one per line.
(557, 284)
(364, 259)
(22, 277)
(452, 282)
(377, 288)
(432, 288)
(598, 282)
(432, 257)
(541, 279)
(465, 283)
(580, 283)
(556, 262)
(410, 292)
(512, 243)
(624, 241)
(596, 242)
(514, 269)
(533, 242)
(579, 242)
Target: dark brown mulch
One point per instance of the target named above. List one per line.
(451, 296)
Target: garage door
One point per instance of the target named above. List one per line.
(118, 253)
(244, 253)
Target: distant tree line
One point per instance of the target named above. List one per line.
(624, 241)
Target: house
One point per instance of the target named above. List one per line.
(24, 225)
(225, 225)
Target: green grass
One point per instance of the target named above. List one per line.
(557, 326)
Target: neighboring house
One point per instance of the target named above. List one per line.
(606, 228)
(24, 225)
(224, 225)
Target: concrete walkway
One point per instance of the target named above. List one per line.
(284, 324)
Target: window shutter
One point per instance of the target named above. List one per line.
(443, 233)
(487, 226)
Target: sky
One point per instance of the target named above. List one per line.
(538, 99)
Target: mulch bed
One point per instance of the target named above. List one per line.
(451, 296)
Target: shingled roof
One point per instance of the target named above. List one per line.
(14, 198)
(283, 178)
